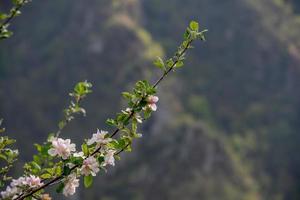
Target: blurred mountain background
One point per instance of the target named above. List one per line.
(228, 125)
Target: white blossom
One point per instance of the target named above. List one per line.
(71, 183)
(62, 148)
(10, 192)
(22, 182)
(152, 100)
(90, 166)
(136, 116)
(18, 182)
(109, 158)
(99, 138)
(79, 154)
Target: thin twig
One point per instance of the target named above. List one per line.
(12, 15)
(66, 121)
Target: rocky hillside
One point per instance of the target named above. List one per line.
(227, 126)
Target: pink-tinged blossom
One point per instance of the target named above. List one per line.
(109, 158)
(71, 184)
(33, 181)
(17, 184)
(99, 138)
(62, 148)
(90, 166)
(152, 100)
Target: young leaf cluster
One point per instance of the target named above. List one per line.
(7, 157)
(6, 18)
(177, 60)
(80, 91)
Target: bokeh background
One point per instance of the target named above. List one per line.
(227, 127)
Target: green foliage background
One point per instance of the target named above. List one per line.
(228, 123)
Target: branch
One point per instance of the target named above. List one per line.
(172, 63)
(15, 11)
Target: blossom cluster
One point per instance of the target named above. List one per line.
(71, 183)
(18, 185)
(62, 148)
(90, 165)
(99, 153)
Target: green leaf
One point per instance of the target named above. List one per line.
(60, 187)
(35, 166)
(38, 147)
(179, 64)
(57, 170)
(2, 156)
(82, 88)
(46, 176)
(77, 160)
(186, 34)
(126, 95)
(122, 143)
(36, 159)
(159, 63)
(50, 171)
(100, 160)
(147, 113)
(134, 126)
(3, 16)
(5, 34)
(61, 124)
(88, 181)
(85, 149)
(194, 26)
(16, 2)
(170, 62)
(128, 148)
(111, 122)
(2, 183)
(114, 144)
(45, 148)
(66, 171)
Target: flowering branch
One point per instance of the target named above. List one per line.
(7, 18)
(102, 149)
